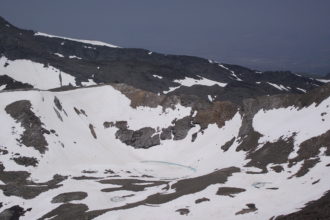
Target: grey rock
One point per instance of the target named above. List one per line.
(181, 128)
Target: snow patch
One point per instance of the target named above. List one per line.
(231, 71)
(93, 42)
(324, 80)
(35, 74)
(75, 57)
(188, 82)
(156, 76)
(307, 122)
(303, 90)
(89, 83)
(59, 55)
(2, 87)
(279, 87)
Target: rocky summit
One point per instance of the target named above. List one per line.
(90, 130)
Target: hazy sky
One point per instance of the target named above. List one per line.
(262, 34)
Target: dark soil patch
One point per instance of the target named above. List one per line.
(271, 153)
(70, 211)
(202, 200)
(86, 178)
(58, 114)
(134, 185)
(184, 211)
(13, 213)
(229, 191)
(17, 184)
(277, 168)
(70, 196)
(227, 145)
(315, 210)
(26, 161)
(317, 181)
(251, 208)
(58, 103)
(91, 128)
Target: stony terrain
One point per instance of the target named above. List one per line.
(93, 131)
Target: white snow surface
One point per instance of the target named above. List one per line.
(89, 83)
(303, 90)
(2, 87)
(59, 55)
(279, 87)
(35, 74)
(307, 122)
(80, 151)
(324, 80)
(201, 81)
(74, 57)
(156, 76)
(93, 42)
(188, 82)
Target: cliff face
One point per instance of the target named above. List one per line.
(93, 131)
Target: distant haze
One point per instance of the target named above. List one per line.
(266, 35)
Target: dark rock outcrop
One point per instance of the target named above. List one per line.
(33, 135)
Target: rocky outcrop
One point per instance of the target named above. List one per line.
(142, 138)
(33, 135)
(138, 68)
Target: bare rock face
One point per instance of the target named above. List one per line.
(142, 138)
(166, 133)
(181, 128)
(18, 183)
(218, 112)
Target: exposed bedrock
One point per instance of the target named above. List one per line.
(202, 113)
(33, 135)
(142, 138)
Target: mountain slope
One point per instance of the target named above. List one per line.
(97, 63)
(76, 147)
(100, 132)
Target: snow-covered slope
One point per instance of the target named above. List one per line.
(35, 74)
(77, 165)
(93, 131)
